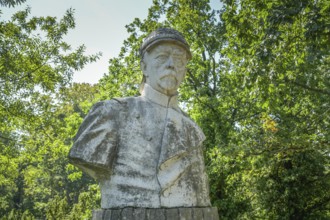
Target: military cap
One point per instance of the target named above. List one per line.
(164, 34)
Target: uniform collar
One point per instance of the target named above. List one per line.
(160, 98)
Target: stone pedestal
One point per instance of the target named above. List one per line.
(208, 213)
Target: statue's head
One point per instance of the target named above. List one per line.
(164, 56)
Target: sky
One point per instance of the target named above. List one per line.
(100, 26)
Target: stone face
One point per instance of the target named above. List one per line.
(144, 151)
(168, 61)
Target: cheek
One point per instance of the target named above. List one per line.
(181, 75)
(181, 72)
(156, 66)
(160, 66)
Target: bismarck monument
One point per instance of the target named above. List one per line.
(144, 151)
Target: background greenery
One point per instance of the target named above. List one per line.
(258, 84)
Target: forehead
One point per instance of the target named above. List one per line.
(167, 47)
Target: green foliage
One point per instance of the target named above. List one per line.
(278, 59)
(43, 183)
(40, 112)
(11, 3)
(35, 59)
(87, 202)
(257, 84)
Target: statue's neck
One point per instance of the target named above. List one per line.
(160, 98)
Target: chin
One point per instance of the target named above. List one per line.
(168, 84)
(169, 89)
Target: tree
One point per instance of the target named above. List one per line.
(53, 187)
(35, 65)
(45, 184)
(278, 52)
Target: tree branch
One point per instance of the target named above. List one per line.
(196, 89)
(6, 138)
(326, 92)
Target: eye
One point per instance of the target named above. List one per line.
(179, 61)
(161, 58)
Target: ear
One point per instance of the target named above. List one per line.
(143, 67)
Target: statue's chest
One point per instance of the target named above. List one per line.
(147, 131)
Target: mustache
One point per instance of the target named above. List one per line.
(168, 73)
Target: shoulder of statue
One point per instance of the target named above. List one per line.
(115, 104)
(129, 102)
(199, 132)
(184, 113)
(124, 100)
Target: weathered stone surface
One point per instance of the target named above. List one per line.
(139, 214)
(158, 214)
(171, 146)
(185, 213)
(107, 214)
(98, 214)
(208, 213)
(144, 151)
(197, 213)
(172, 214)
(161, 34)
(115, 214)
(127, 214)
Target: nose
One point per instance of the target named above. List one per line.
(170, 63)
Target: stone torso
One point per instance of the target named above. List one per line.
(134, 177)
(151, 153)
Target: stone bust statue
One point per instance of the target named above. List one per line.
(144, 151)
